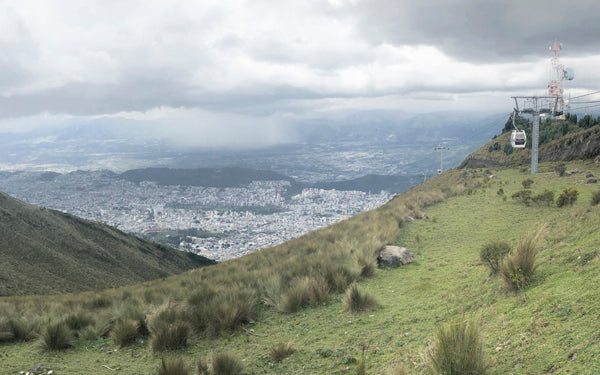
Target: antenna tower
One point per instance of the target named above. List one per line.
(558, 74)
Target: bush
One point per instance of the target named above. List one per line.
(560, 169)
(356, 300)
(500, 192)
(567, 197)
(595, 198)
(524, 196)
(458, 350)
(173, 367)
(508, 149)
(492, 253)
(546, 197)
(56, 337)
(527, 183)
(125, 332)
(169, 336)
(281, 351)
(518, 268)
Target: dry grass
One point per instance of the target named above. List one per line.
(518, 268)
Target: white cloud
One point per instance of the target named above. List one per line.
(262, 62)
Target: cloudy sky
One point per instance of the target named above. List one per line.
(249, 67)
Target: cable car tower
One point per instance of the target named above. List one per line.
(441, 149)
(550, 105)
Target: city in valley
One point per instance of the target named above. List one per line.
(217, 222)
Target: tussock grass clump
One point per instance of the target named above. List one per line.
(226, 364)
(125, 332)
(78, 320)
(595, 198)
(281, 351)
(457, 350)
(304, 292)
(357, 300)
(56, 337)
(518, 268)
(16, 330)
(169, 336)
(492, 253)
(367, 265)
(175, 366)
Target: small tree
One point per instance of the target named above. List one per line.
(492, 253)
(527, 183)
(567, 197)
(524, 196)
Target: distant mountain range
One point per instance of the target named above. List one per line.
(49, 252)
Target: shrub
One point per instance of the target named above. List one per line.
(518, 268)
(560, 169)
(508, 149)
(125, 332)
(527, 183)
(492, 253)
(169, 336)
(458, 350)
(567, 197)
(524, 196)
(500, 192)
(281, 351)
(175, 366)
(56, 337)
(356, 300)
(595, 198)
(546, 197)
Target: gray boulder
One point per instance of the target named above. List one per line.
(592, 180)
(394, 256)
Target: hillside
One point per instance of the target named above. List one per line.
(294, 293)
(48, 252)
(575, 145)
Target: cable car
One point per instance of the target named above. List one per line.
(518, 139)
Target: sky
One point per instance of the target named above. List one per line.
(232, 69)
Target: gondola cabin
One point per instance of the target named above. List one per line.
(518, 139)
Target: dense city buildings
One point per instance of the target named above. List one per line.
(227, 222)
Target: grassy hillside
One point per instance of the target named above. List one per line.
(246, 306)
(49, 252)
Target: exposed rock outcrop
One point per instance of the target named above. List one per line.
(395, 256)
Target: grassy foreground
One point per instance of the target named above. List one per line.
(550, 327)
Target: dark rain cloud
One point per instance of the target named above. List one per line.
(484, 31)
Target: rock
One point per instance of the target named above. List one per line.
(592, 180)
(395, 256)
(589, 175)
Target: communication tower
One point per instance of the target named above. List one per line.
(558, 74)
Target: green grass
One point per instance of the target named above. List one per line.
(550, 326)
